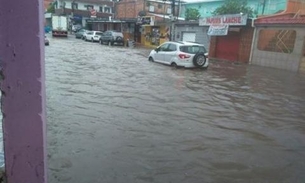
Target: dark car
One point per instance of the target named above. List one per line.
(79, 34)
(112, 38)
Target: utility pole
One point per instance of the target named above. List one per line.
(173, 7)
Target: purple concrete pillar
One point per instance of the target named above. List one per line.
(23, 89)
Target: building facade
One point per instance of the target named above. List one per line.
(280, 39)
(80, 11)
(232, 41)
(147, 21)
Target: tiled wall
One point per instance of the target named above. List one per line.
(287, 61)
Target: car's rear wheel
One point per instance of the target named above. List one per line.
(199, 60)
(151, 59)
(174, 65)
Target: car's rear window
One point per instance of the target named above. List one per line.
(99, 33)
(192, 49)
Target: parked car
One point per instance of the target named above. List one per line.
(76, 28)
(84, 34)
(180, 54)
(46, 41)
(112, 37)
(93, 36)
(79, 34)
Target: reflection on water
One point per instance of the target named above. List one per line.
(115, 117)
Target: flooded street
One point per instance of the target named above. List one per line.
(114, 117)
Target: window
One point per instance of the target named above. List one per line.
(164, 47)
(74, 6)
(151, 8)
(107, 10)
(276, 40)
(193, 49)
(101, 9)
(172, 47)
(169, 11)
(89, 7)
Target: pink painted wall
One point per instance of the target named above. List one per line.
(23, 100)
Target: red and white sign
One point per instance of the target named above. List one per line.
(224, 20)
(93, 12)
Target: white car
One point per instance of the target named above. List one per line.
(180, 54)
(93, 36)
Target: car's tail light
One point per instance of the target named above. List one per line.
(206, 55)
(184, 56)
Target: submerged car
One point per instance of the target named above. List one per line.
(46, 41)
(180, 54)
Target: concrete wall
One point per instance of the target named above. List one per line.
(201, 33)
(23, 90)
(287, 61)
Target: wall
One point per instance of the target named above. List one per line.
(160, 7)
(245, 44)
(201, 33)
(131, 8)
(287, 61)
(206, 8)
(128, 9)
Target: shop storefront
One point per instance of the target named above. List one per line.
(104, 24)
(231, 37)
(153, 33)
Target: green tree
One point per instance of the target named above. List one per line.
(192, 14)
(51, 8)
(234, 7)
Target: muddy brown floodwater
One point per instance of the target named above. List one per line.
(114, 117)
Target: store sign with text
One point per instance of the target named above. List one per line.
(224, 20)
(218, 30)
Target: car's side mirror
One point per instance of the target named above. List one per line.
(157, 49)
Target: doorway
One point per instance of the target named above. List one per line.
(227, 47)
